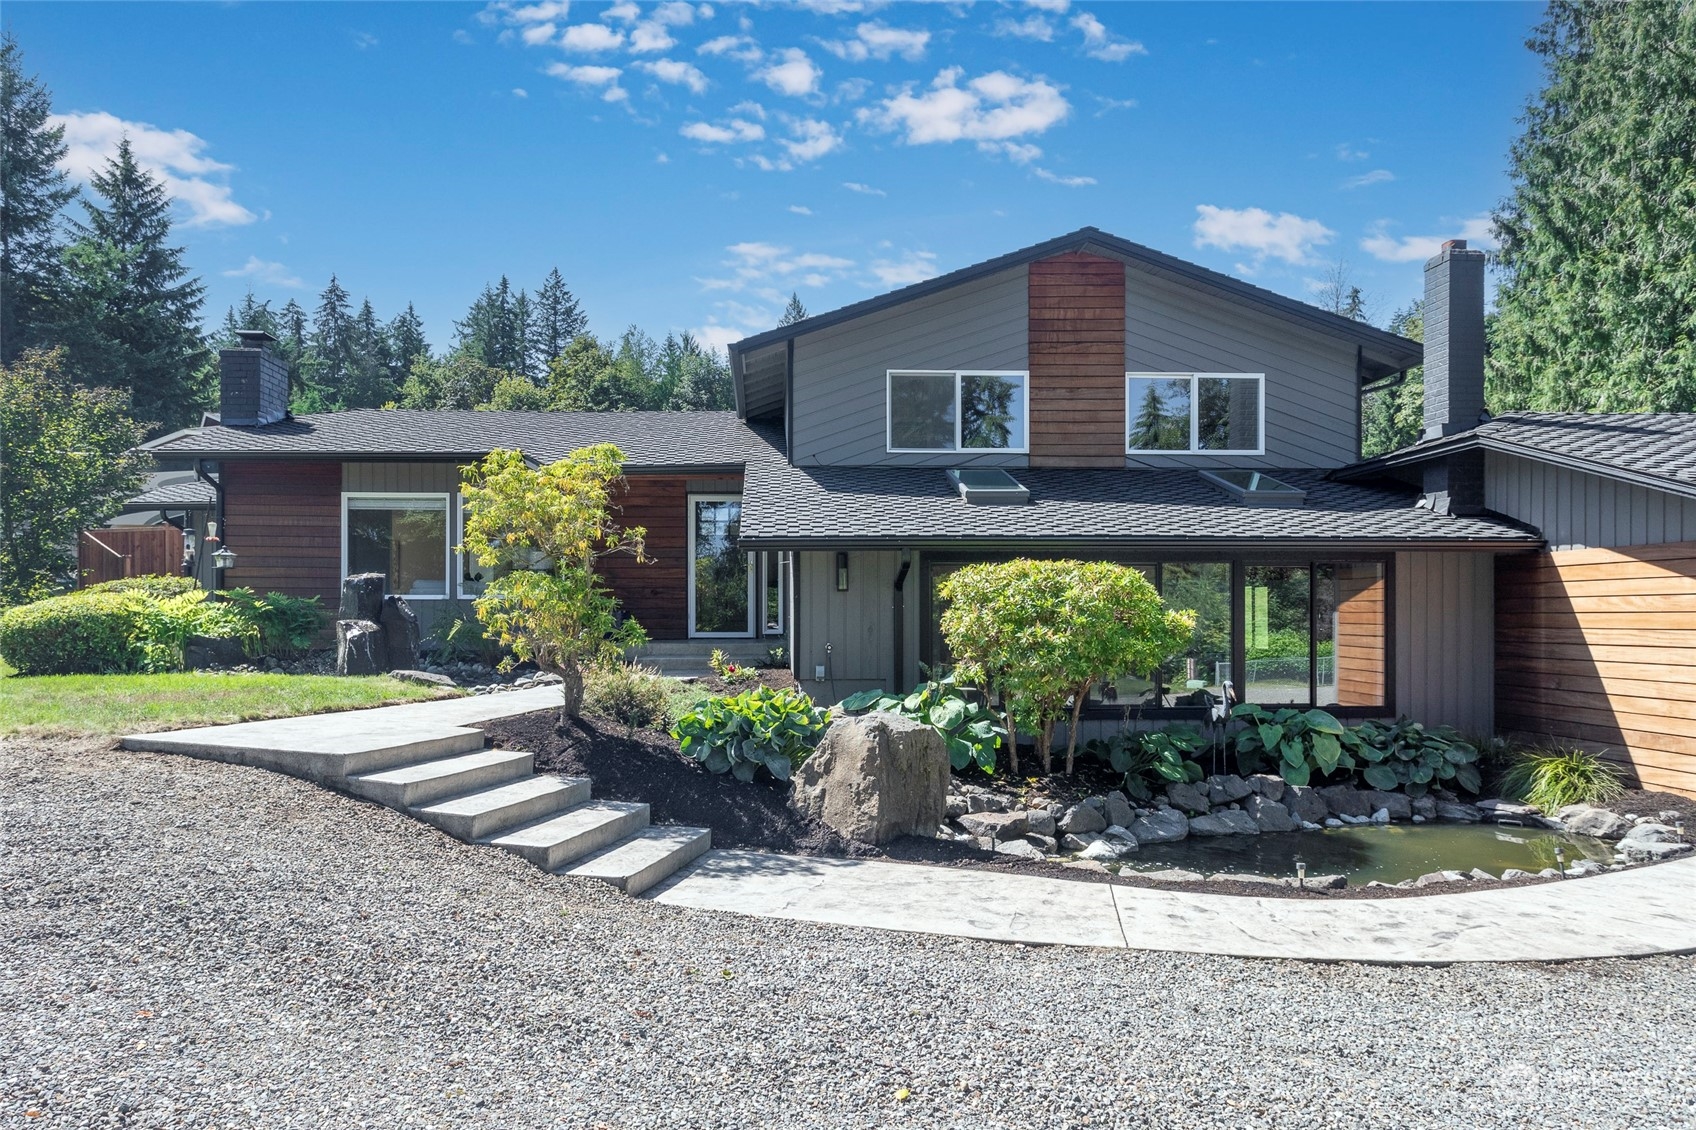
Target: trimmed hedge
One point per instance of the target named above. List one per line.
(157, 585)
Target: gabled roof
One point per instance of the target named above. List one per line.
(1653, 449)
(1385, 352)
(649, 440)
(172, 491)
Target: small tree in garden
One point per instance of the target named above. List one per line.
(547, 526)
(1041, 634)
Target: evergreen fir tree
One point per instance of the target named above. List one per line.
(493, 331)
(1597, 305)
(1392, 418)
(328, 362)
(694, 379)
(291, 343)
(558, 321)
(33, 189)
(251, 314)
(794, 312)
(131, 312)
(406, 343)
(368, 383)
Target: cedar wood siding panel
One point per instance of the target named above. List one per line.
(283, 520)
(1576, 510)
(1445, 643)
(1077, 361)
(1311, 384)
(1359, 636)
(1597, 648)
(841, 372)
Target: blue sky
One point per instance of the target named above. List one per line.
(686, 166)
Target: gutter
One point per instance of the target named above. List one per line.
(1192, 546)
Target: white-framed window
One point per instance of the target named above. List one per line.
(722, 577)
(1195, 413)
(936, 410)
(473, 578)
(404, 537)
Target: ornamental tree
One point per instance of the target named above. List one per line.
(1041, 634)
(543, 529)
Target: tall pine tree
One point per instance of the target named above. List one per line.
(1597, 302)
(493, 330)
(406, 343)
(131, 312)
(559, 319)
(328, 363)
(32, 191)
(794, 311)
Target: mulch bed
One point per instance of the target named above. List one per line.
(779, 678)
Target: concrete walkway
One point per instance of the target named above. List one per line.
(1645, 910)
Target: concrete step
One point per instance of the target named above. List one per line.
(646, 858)
(574, 833)
(427, 781)
(490, 811)
(327, 748)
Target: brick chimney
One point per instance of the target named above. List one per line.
(253, 383)
(1454, 374)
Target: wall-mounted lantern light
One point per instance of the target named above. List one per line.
(841, 572)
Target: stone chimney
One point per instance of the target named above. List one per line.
(253, 383)
(1454, 374)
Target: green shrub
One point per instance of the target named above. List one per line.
(1413, 758)
(969, 728)
(1551, 779)
(157, 584)
(762, 728)
(283, 626)
(629, 693)
(1152, 758)
(81, 633)
(1299, 744)
(460, 639)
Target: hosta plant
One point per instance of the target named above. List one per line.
(1414, 758)
(969, 729)
(763, 728)
(1151, 759)
(1299, 744)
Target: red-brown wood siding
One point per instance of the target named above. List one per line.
(1077, 361)
(128, 551)
(283, 521)
(1598, 647)
(655, 592)
(1360, 635)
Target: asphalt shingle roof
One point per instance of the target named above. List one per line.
(193, 494)
(648, 439)
(914, 506)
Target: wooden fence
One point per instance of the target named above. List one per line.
(128, 551)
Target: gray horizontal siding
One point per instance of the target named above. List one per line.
(1311, 384)
(1445, 639)
(1575, 510)
(841, 371)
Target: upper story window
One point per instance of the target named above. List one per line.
(1211, 413)
(957, 410)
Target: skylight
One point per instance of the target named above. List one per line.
(989, 487)
(1255, 488)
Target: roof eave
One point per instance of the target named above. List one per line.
(1473, 441)
(1497, 544)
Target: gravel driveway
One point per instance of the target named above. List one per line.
(187, 943)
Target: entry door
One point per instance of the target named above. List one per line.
(721, 574)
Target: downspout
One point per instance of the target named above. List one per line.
(901, 622)
(217, 486)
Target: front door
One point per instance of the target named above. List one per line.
(721, 579)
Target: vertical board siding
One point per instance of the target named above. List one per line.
(1077, 361)
(656, 592)
(840, 379)
(1359, 637)
(128, 551)
(859, 625)
(402, 478)
(1597, 648)
(283, 521)
(1576, 510)
(1445, 646)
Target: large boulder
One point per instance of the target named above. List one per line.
(1230, 822)
(1269, 785)
(359, 648)
(1224, 788)
(1118, 809)
(995, 825)
(1396, 804)
(362, 597)
(1305, 804)
(202, 652)
(1269, 815)
(1162, 826)
(875, 778)
(1587, 820)
(400, 634)
(1082, 819)
(1190, 798)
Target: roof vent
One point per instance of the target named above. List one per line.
(1255, 488)
(989, 488)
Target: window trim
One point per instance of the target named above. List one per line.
(754, 604)
(449, 582)
(889, 447)
(1195, 420)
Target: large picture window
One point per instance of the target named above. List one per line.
(1203, 413)
(957, 410)
(403, 536)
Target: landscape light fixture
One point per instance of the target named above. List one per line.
(1301, 873)
(1560, 860)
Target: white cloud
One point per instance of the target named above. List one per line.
(716, 336)
(811, 139)
(1099, 43)
(911, 267)
(1376, 176)
(540, 12)
(461, 36)
(624, 11)
(796, 76)
(1347, 152)
(800, 209)
(863, 189)
(995, 107)
(738, 47)
(877, 40)
(650, 36)
(605, 77)
(838, 7)
(758, 267)
(1108, 105)
(364, 40)
(520, 92)
(537, 34)
(736, 129)
(1067, 182)
(852, 89)
(259, 270)
(1478, 233)
(1031, 27)
(676, 13)
(1058, 7)
(176, 157)
(750, 109)
(677, 73)
(591, 38)
(1285, 236)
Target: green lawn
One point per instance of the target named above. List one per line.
(126, 704)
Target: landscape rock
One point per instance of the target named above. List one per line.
(1397, 805)
(985, 802)
(1459, 812)
(1432, 878)
(1584, 867)
(1045, 844)
(1344, 800)
(1227, 823)
(400, 634)
(359, 647)
(1425, 806)
(1019, 848)
(1648, 850)
(1497, 809)
(1586, 820)
(1173, 875)
(957, 806)
(1382, 816)
(202, 652)
(1081, 819)
(1304, 803)
(1236, 877)
(1165, 826)
(1226, 787)
(1269, 785)
(996, 825)
(1120, 838)
(1040, 822)
(1186, 796)
(875, 777)
(1651, 832)
(1550, 873)
(1481, 875)
(362, 598)
(427, 678)
(1333, 822)
(1514, 874)
(1268, 815)
(1099, 850)
(1322, 882)
(1084, 865)
(1075, 844)
(1118, 809)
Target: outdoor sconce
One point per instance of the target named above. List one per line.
(841, 572)
(223, 557)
